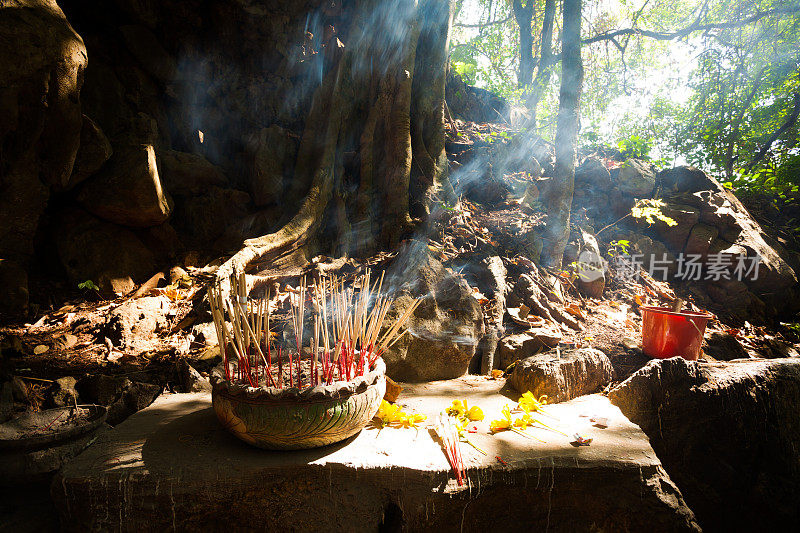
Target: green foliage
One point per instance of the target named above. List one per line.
(635, 146)
(467, 71)
(88, 285)
(712, 98)
(650, 210)
(620, 247)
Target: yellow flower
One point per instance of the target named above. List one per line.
(457, 408)
(530, 403)
(524, 421)
(475, 413)
(411, 421)
(502, 423)
(390, 414)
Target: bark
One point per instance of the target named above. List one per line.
(429, 177)
(524, 15)
(559, 203)
(383, 101)
(546, 60)
(790, 121)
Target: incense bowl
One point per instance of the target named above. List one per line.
(295, 419)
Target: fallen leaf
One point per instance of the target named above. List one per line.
(66, 341)
(40, 349)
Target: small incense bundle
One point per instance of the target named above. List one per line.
(448, 434)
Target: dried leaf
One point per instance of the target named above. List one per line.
(40, 349)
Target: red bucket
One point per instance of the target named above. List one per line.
(667, 333)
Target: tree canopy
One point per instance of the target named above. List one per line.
(714, 83)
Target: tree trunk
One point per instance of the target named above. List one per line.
(545, 60)
(559, 201)
(384, 102)
(429, 165)
(524, 15)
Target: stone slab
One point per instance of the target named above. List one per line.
(171, 466)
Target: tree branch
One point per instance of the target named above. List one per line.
(790, 121)
(694, 27)
(485, 24)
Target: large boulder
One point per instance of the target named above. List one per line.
(723, 225)
(727, 433)
(636, 178)
(593, 175)
(114, 258)
(152, 57)
(517, 346)
(94, 150)
(203, 219)
(185, 174)
(128, 191)
(42, 61)
(273, 152)
(561, 378)
(444, 329)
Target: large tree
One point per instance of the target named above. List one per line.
(393, 65)
(559, 202)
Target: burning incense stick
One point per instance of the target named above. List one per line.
(347, 322)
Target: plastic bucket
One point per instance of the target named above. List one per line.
(667, 333)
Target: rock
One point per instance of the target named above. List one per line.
(162, 240)
(776, 282)
(685, 179)
(575, 373)
(591, 267)
(190, 379)
(410, 484)
(122, 396)
(700, 239)
(592, 176)
(516, 346)
(636, 178)
(178, 275)
(473, 103)
(737, 467)
(42, 61)
(13, 287)
(273, 154)
(184, 174)
(64, 393)
(393, 390)
(127, 191)
(686, 216)
(94, 150)
(19, 389)
(723, 346)
(133, 325)
(444, 329)
(148, 51)
(85, 245)
(201, 220)
(205, 333)
(655, 256)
